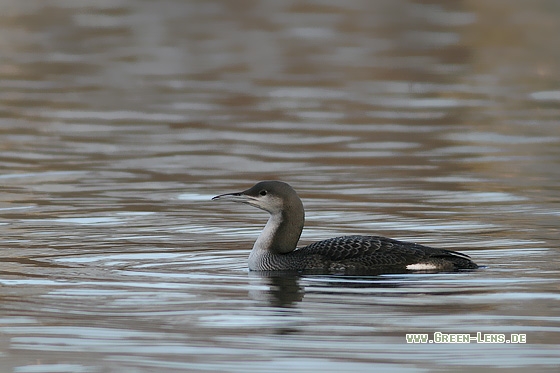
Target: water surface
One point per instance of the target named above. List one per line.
(434, 122)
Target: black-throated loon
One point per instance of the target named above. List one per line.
(275, 248)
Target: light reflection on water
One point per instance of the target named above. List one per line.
(424, 122)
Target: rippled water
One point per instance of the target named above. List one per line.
(436, 122)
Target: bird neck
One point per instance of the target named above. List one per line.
(279, 236)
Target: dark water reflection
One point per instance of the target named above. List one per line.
(435, 122)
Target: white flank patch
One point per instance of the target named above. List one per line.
(421, 267)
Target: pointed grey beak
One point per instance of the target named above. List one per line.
(228, 196)
(234, 197)
(240, 197)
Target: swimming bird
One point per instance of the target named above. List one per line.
(275, 248)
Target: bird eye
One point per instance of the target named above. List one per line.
(262, 192)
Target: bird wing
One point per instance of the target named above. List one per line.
(377, 251)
